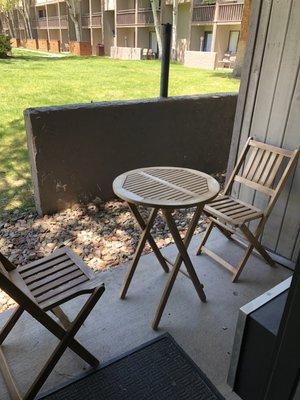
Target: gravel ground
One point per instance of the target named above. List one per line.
(104, 235)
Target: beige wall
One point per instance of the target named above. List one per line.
(200, 59)
(196, 32)
(222, 39)
(183, 29)
(108, 27)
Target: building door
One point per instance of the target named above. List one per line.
(207, 41)
(233, 41)
(153, 42)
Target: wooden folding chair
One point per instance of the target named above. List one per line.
(43, 286)
(258, 167)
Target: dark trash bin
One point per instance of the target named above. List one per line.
(100, 49)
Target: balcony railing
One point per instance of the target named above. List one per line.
(145, 16)
(97, 19)
(203, 13)
(53, 22)
(231, 12)
(126, 17)
(85, 20)
(64, 23)
(94, 20)
(41, 23)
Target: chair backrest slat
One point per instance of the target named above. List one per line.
(259, 166)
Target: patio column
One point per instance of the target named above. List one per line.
(46, 9)
(59, 21)
(214, 33)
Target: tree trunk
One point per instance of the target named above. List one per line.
(6, 16)
(154, 7)
(74, 11)
(27, 17)
(11, 17)
(174, 29)
(243, 38)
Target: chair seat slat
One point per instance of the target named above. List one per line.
(56, 283)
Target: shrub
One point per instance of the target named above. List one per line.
(5, 46)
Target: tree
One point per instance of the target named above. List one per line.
(243, 38)
(7, 9)
(155, 7)
(174, 29)
(74, 12)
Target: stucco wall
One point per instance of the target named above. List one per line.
(126, 53)
(200, 59)
(76, 151)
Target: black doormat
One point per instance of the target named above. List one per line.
(157, 370)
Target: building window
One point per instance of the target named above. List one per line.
(207, 41)
(41, 13)
(233, 42)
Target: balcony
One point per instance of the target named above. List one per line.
(224, 13)
(53, 22)
(96, 19)
(126, 17)
(40, 23)
(230, 12)
(203, 13)
(145, 16)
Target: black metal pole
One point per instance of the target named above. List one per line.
(165, 59)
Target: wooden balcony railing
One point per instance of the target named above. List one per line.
(203, 13)
(230, 12)
(94, 20)
(64, 23)
(85, 20)
(53, 22)
(97, 19)
(126, 17)
(145, 16)
(41, 23)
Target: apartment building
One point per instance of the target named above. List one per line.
(205, 32)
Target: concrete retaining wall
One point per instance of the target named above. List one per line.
(126, 53)
(76, 151)
(200, 59)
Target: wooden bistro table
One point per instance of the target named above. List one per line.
(165, 188)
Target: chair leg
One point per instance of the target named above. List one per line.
(205, 237)
(243, 263)
(63, 344)
(58, 312)
(10, 323)
(254, 240)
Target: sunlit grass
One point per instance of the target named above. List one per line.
(31, 79)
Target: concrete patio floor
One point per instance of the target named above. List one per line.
(205, 331)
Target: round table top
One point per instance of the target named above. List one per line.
(166, 187)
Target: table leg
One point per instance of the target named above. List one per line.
(146, 227)
(182, 246)
(150, 239)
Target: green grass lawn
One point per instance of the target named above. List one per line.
(31, 79)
